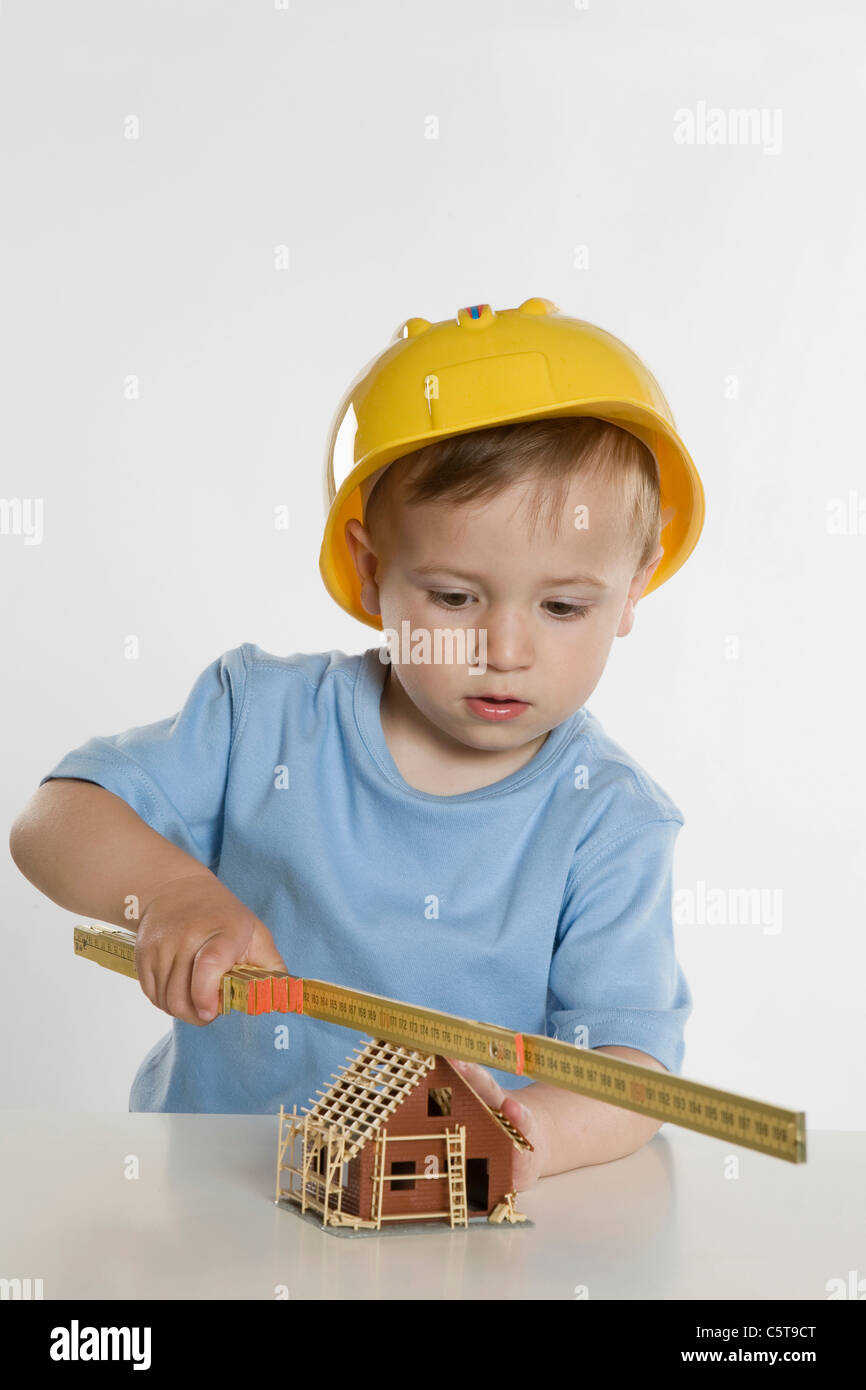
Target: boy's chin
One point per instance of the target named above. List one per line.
(495, 735)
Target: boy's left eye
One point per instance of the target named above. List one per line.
(571, 610)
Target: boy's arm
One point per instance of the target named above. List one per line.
(122, 815)
(129, 828)
(573, 1131)
(565, 1130)
(90, 852)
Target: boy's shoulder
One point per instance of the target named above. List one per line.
(313, 667)
(267, 690)
(264, 682)
(620, 785)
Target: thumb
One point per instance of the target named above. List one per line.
(261, 950)
(213, 959)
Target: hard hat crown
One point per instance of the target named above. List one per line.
(494, 367)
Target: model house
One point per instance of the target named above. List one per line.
(399, 1136)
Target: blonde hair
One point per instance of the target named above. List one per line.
(480, 463)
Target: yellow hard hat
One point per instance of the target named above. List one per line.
(494, 368)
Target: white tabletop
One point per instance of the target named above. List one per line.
(200, 1222)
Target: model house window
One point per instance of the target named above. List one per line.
(439, 1100)
(402, 1166)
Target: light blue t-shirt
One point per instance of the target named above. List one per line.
(542, 902)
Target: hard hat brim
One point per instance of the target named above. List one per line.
(680, 490)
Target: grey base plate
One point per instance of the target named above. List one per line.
(397, 1228)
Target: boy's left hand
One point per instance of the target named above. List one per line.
(527, 1162)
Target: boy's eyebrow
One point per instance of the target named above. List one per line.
(588, 580)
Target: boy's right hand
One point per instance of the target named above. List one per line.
(192, 931)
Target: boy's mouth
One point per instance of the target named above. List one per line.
(494, 707)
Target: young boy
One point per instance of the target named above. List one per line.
(456, 833)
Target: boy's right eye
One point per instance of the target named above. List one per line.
(440, 595)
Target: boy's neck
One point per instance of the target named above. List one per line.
(432, 761)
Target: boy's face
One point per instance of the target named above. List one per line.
(548, 628)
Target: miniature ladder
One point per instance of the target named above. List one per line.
(456, 1162)
(378, 1180)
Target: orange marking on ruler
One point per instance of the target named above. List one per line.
(518, 1048)
(296, 994)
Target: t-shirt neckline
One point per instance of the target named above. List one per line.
(368, 693)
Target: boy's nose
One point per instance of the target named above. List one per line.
(509, 643)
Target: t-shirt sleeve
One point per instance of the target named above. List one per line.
(174, 772)
(614, 970)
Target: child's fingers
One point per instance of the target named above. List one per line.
(177, 989)
(520, 1115)
(481, 1081)
(147, 980)
(525, 1172)
(526, 1163)
(494, 1095)
(160, 970)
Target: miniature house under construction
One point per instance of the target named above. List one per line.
(445, 1156)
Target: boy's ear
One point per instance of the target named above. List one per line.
(638, 584)
(365, 560)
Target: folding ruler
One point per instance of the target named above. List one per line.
(250, 989)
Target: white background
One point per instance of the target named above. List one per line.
(735, 271)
